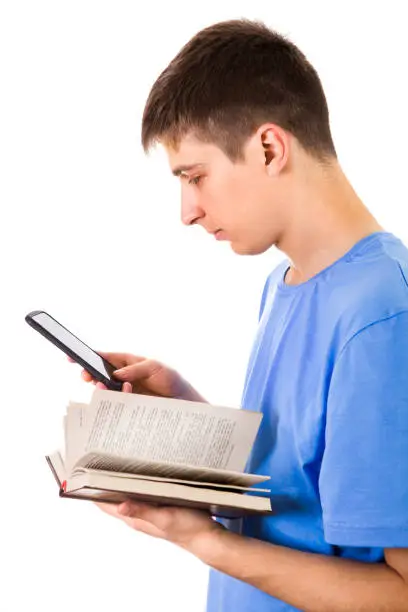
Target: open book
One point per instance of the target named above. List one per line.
(162, 451)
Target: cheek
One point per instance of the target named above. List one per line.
(237, 192)
(230, 200)
(244, 201)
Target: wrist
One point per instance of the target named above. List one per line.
(209, 546)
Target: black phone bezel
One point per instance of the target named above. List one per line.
(111, 383)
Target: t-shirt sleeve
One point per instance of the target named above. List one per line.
(364, 473)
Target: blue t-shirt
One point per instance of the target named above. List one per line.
(329, 372)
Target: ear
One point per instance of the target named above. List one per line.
(276, 145)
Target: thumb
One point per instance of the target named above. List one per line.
(135, 371)
(124, 373)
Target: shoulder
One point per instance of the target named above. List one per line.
(371, 287)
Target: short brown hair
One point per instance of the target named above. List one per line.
(229, 79)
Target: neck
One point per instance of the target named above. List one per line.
(326, 219)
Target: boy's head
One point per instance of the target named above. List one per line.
(238, 110)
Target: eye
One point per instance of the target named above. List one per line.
(195, 180)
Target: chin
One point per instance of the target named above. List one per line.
(249, 249)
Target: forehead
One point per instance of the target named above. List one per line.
(190, 152)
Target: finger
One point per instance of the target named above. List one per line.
(143, 526)
(70, 359)
(131, 509)
(86, 376)
(111, 509)
(150, 513)
(141, 370)
(134, 523)
(120, 360)
(127, 388)
(100, 385)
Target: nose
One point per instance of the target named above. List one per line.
(191, 212)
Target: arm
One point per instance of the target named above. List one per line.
(363, 487)
(310, 582)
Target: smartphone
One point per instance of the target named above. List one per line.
(99, 368)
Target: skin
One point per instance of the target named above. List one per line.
(278, 195)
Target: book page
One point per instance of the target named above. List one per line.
(56, 463)
(169, 471)
(169, 430)
(75, 433)
(154, 469)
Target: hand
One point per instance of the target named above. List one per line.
(147, 377)
(192, 530)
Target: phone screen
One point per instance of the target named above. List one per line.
(73, 343)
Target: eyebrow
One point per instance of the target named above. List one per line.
(185, 168)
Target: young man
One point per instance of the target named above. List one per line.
(244, 120)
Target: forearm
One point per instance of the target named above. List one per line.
(310, 582)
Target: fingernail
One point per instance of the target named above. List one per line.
(120, 372)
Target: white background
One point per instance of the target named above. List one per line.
(90, 232)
